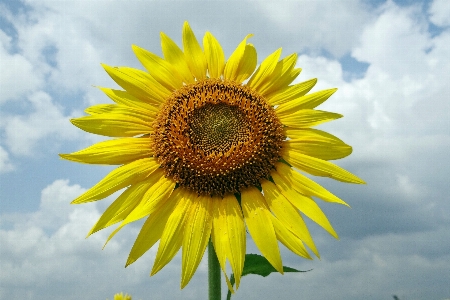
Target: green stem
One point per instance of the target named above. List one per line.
(213, 273)
(232, 284)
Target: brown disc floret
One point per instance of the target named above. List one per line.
(216, 137)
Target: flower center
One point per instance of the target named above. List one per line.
(217, 137)
(216, 127)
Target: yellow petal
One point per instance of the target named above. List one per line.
(124, 98)
(136, 112)
(309, 101)
(302, 184)
(258, 219)
(174, 55)
(231, 71)
(306, 205)
(154, 197)
(305, 118)
(156, 87)
(229, 234)
(236, 237)
(310, 209)
(292, 92)
(172, 236)
(248, 63)
(114, 125)
(288, 239)
(138, 84)
(214, 55)
(264, 72)
(113, 152)
(282, 76)
(278, 198)
(292, 74)
(196, 237)
(160, 69)
(319, 167)
(318, 146)
(122, 206)
(153, 228)
(194, 55)
(307, 133)
(99, 109)
(119, 178)
(219, 236)
(160, 190)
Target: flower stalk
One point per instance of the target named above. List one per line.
(213, 274)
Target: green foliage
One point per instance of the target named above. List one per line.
(259, 265)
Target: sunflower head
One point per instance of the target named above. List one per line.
(216, 137)
(207, 147)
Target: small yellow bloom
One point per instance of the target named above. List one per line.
(122, 297)
(207, 148)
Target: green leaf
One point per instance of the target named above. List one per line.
(259, 265)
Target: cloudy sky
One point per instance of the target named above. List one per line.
(390, 61)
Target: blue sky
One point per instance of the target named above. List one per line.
(389, 60)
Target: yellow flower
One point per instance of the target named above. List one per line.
(122, 297)
(207, 148)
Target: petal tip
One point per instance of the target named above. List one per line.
(183, 283)
(154, 271)
(135, 48)
(76, 121)
(90, 233)
(129, 261)
(162, 35)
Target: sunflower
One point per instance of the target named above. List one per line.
(120, 296)
(207, 148)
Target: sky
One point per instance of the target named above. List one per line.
(390, 63)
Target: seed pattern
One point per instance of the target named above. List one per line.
(217, 127)
(217, 137)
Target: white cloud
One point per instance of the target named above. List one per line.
(395, 40)
(317, 25)
(440, 13)
(28, 245)
(411, 190)
(5, 163)
(395, 117)
(380, 267)
(45, 255)
(18, 76)
(376, 267)
(62, 52)
(404, 91)
(46, 121)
